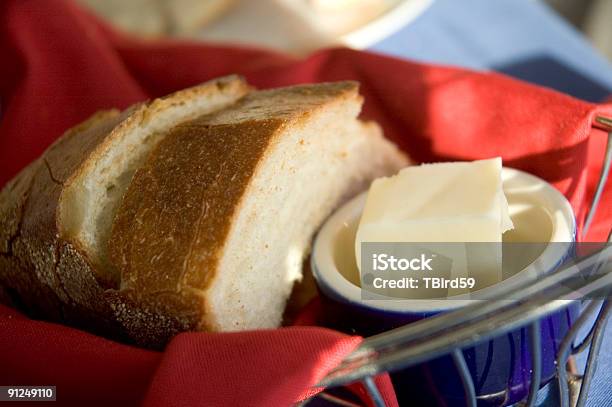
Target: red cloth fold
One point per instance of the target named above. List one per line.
(263, 368)
(59, 65)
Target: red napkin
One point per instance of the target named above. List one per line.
(59, 65)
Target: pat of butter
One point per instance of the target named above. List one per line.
(445, 202)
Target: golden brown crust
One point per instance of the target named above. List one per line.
(20, 285)
(12, 201)
(141, 113)
(174, 217)
(137, 115)
(39, 251)
(180, 196)
(283, 103)
(42, 270)
(28, 266)
(170, 231)
(40, 233)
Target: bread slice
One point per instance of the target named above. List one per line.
(213, 229)
(33, 254)
(56, 212)
(92, 194)
(190, 212)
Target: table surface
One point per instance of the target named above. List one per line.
(527, 40)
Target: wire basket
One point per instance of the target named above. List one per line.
(523, 306)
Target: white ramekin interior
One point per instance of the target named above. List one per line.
(534, 204)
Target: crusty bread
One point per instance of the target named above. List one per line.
(192, 212)
(53, 213)
(33, 256)
(261, 175)
(91, 194)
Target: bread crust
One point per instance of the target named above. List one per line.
(21, 288)
(134, 116)
(169, 234)
(174, 220)
(30, 265)
(42, 269)
(171, 230)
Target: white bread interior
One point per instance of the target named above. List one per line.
(271, 164)
(91, 197)
(314, 166)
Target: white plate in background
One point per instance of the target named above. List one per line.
(303, 26)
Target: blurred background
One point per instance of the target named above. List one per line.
(301, 26)
(562, 44)
(593, 17)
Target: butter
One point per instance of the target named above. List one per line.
(445, 202)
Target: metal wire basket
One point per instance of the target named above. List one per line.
(522, 306)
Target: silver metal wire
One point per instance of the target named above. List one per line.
(466, 378)
(373, 391)
(591, 366)
(536, 362)
(585, 342)
(566, 348)
(605, 171)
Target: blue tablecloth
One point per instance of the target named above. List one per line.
(524, 39)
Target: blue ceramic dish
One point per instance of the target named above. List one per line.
(500, 367)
